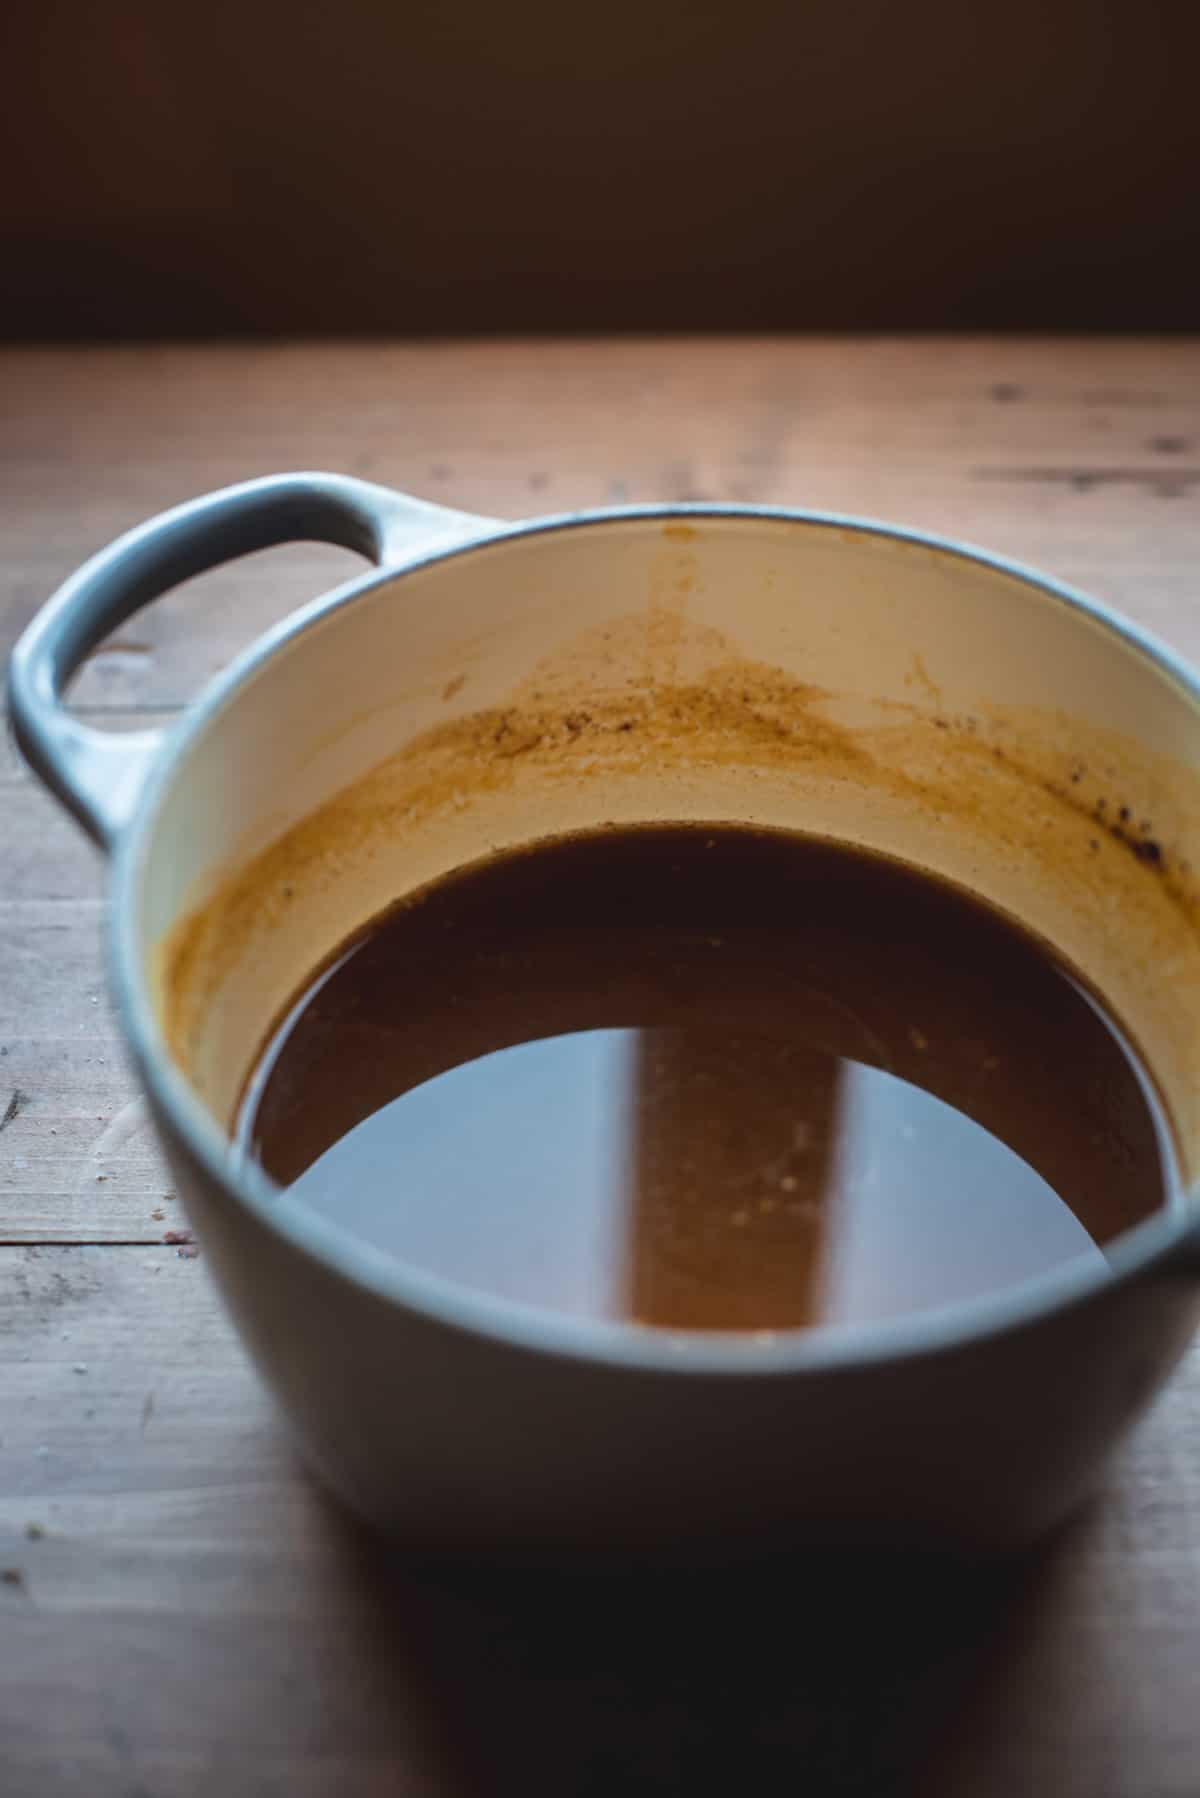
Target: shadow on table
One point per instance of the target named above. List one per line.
(831, 1673)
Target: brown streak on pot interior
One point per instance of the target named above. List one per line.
(653, 699)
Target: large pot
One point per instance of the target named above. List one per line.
(923, 699)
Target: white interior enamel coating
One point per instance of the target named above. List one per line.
(897, 633)
(455, 1418)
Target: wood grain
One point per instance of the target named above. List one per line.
(190, 1609)
(189, 1616)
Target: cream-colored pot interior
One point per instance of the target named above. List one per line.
(829, 678)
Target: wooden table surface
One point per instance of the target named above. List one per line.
(181, 1613)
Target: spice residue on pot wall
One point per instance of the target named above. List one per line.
(1077, 831)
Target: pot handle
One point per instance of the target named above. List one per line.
(98, 775)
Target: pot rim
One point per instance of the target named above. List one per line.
(1157, 1242)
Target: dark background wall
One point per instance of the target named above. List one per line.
(288, 165)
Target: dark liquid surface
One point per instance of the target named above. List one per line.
(707, 1078)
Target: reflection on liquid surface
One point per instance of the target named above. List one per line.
(728, 1080)
(783, 1188)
